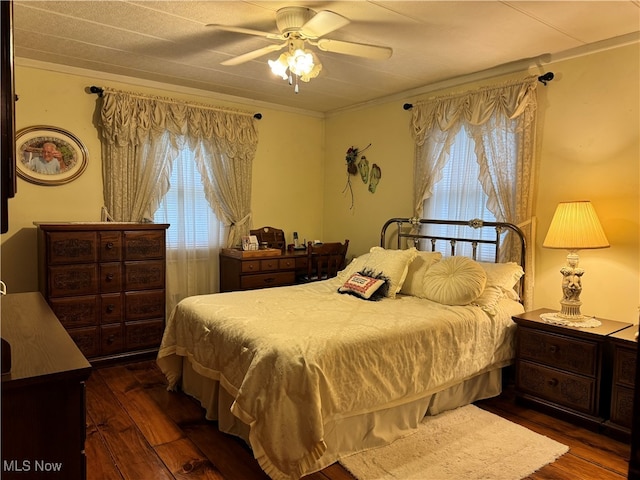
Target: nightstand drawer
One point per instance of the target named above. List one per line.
(624, 372)
(569, 390)
(575, 355)
(622, 406)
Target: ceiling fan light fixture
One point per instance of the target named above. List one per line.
(279, 66)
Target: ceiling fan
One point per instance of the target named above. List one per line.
(298, 26)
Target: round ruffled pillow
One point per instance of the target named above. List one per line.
(454, 281)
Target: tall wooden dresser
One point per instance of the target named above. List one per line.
(106, 283)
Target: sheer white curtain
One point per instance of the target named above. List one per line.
(500, 120)
(458, 195)
(151, 143)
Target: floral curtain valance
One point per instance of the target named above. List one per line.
(473, 107)
(131, 119)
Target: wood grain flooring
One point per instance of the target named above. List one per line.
(137, 430)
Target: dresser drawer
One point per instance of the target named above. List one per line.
(111, 339)
(111, 308)
(572, 354)
(146, 304)
(87, 339)
(110, 246)
(143, 275)
(622, 406)
(572, 391)
(625, 366)
(76, 311)
(143, 334)
(269, 264)
(262, 280)
(287, 264)
(250, 267)
(143, 245)
(110, 277)
(72, 247)
(70, 280)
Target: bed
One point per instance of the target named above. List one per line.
(308, 374)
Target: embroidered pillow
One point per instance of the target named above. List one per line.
(365, 285)
(454, 281)
(415, 274)
(393, 264)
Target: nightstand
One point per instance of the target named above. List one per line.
(565, 370)
(624, 351)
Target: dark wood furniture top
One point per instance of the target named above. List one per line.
(105, 281)
(249, 270)
(43, 397)
(565, 369)
(624, 352)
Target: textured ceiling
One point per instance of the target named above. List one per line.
(169, 42)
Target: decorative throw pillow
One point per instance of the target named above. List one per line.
(415, 274)
(393, 264)
(501, 280)
(454, 281)
(366, 285)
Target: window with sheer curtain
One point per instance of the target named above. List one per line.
(459, 195)
(195, 235)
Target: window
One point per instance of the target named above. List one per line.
(459, 195)
(185, 207)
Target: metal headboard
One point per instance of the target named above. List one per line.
(409, 228)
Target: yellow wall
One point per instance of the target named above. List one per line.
(287, 176)
(588, 148)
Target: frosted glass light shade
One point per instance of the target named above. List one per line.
(575, 226)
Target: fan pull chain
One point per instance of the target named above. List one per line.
(295, 88)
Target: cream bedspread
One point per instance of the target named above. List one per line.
(299, 358)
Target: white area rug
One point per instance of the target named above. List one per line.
(463, 444)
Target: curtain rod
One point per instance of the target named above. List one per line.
(100, 91)
(544, 79)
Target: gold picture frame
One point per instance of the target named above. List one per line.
(49, 156)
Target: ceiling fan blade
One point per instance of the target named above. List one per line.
(246, 31)
(322, 23)
(254, 54)
(375, 52)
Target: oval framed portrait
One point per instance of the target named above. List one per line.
(49, 156)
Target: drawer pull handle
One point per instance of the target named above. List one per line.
(553, 348)
(269, 280)
(250, 267)
(110, 308)
(111, 339)
(553, 382)
(109, 277)
(109, 245)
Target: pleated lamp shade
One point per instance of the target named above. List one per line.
(575, 226)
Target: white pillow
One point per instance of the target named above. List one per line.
(454, 281)
(393, 264)
(501, 280)
(356, 265)
(415, 275)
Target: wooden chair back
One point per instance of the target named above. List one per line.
(325, 260)
(273, 237)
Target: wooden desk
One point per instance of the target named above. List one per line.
(260, 269)
(43, 396)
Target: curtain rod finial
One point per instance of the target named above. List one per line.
(547, 77)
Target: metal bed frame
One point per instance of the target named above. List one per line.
(409, 228)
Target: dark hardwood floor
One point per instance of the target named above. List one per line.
(137, 430)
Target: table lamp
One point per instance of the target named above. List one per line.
(574, 226)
